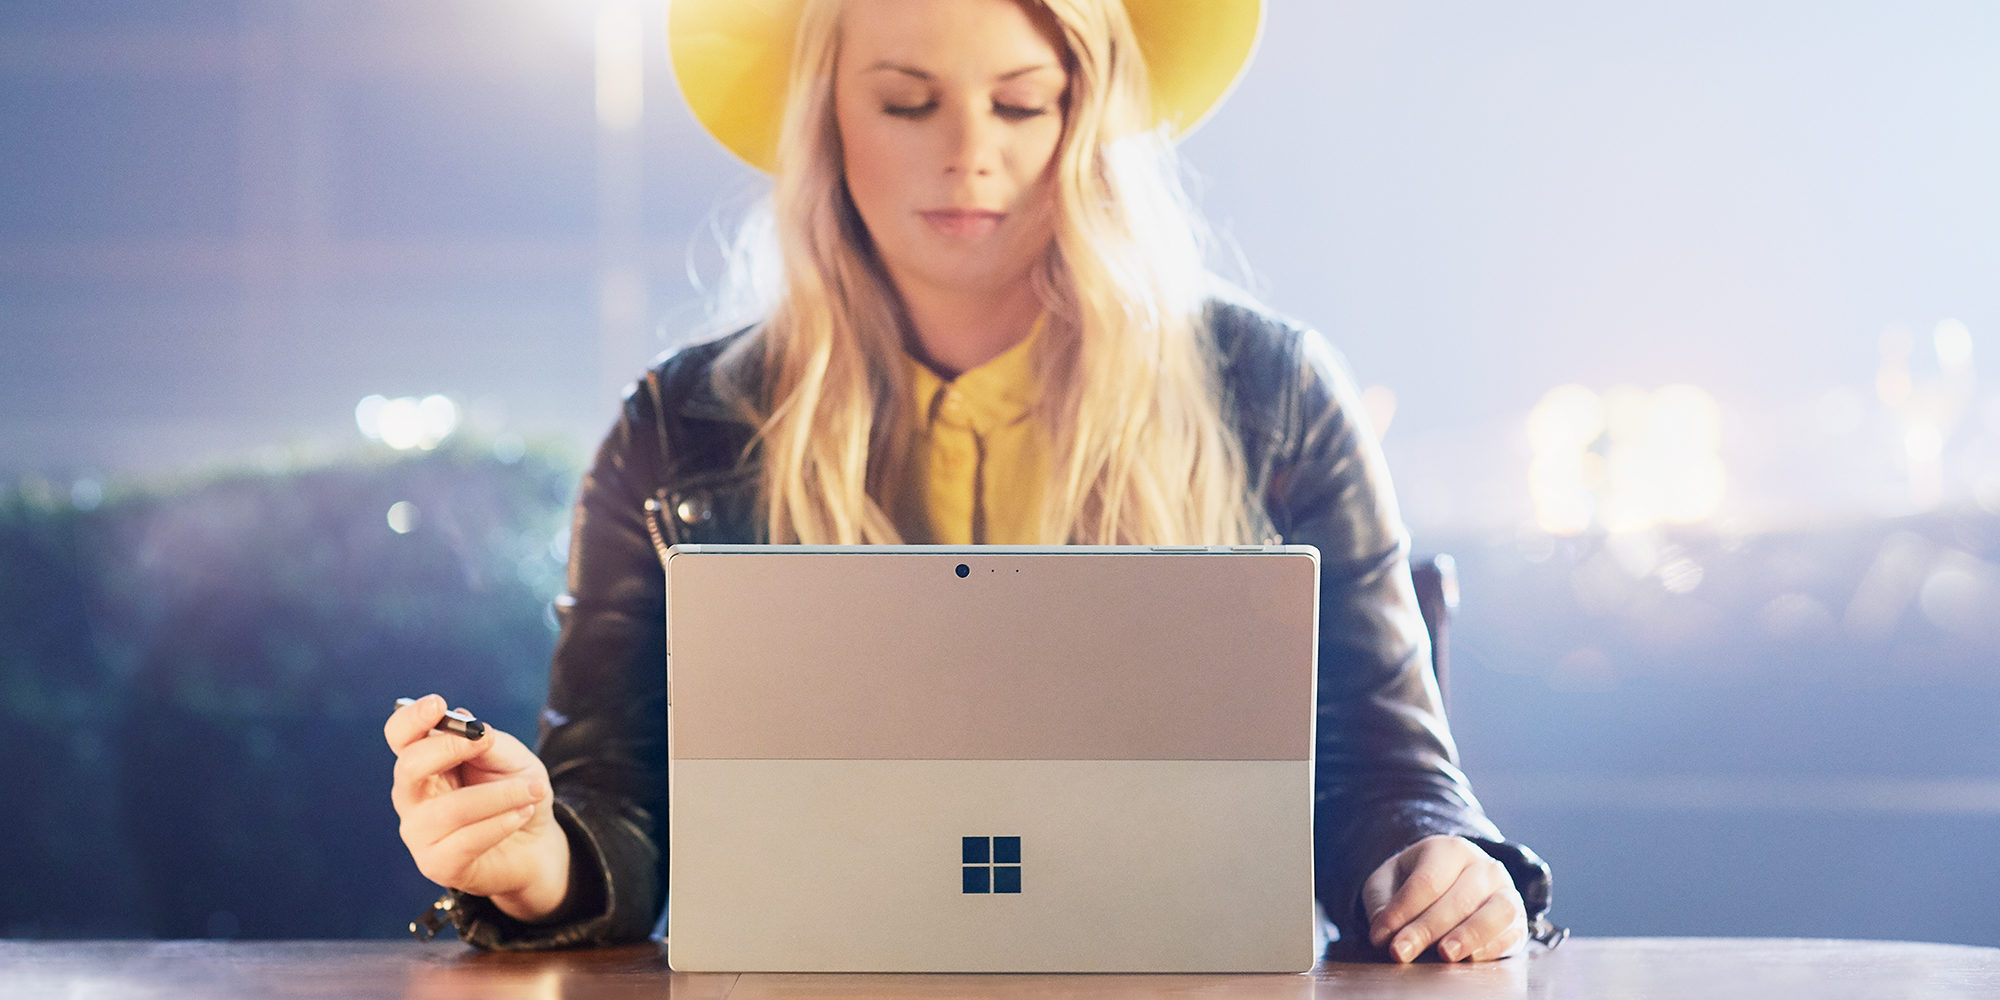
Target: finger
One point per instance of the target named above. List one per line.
(1418, 877)
(448, 861)
(1475, 884)
(440, 763)
(500, 756)
(495, 756)
(420, 765)
(412, 722)
(1488, 932)
(1376, 894)
(437, 819)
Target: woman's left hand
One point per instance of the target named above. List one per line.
(1446, 891)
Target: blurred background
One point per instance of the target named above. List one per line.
(1681, 325)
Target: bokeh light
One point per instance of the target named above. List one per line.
(407, 423)
(403, 517)
(1953, 343)
(1625, 461)
(621, 68)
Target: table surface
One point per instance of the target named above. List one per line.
(1595, 968)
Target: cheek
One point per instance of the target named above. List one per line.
(871, 163)
(1034, 154)
(870, 177)
(1035, 168)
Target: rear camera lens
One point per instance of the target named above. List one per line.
(962, 570)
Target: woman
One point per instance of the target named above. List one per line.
(995, 327)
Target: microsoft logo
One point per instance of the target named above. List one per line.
(991, 864)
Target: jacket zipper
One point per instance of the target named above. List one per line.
(434, 919)
(656, 509)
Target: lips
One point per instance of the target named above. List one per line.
(963, 223)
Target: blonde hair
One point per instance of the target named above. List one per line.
(1142, 451)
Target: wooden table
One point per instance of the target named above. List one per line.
(1598, 969)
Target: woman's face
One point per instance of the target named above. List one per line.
(949, 117)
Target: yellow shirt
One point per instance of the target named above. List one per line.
(979, 459)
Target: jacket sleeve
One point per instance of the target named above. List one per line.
(1386, 772)
(603, 733)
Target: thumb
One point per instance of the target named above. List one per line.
(1378, 890)
(498, 755)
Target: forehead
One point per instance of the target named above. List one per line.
(974, 39)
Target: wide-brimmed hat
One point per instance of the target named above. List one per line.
(733, 61)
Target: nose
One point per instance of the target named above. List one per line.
(971, 141)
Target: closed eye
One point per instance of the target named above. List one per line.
(1009, 112)
(1016, 113)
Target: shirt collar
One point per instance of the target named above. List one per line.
(1000, 392)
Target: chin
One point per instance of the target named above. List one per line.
(974, 272)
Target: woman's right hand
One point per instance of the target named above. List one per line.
(477, 815)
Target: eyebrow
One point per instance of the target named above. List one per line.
(912, 71)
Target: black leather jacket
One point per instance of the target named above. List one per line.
(672, 470)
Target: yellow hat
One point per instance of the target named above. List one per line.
(733, 61)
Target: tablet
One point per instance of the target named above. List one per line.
(991, 758)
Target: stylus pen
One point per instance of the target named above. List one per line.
(461, 723)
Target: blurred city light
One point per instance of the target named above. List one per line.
(86, 494)
(1928, 407)
(1889, 586)
(402, 517)
(1892, 374)
(508, 448)
(1953, 343)
(1564, 472)
(621, 68)
(1626, 461)
(407, 422)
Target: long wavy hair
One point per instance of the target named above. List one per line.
(1141, 448)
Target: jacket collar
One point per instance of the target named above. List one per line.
(699, 400)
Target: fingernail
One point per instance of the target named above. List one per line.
(1449, 950)
(1404, 949)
